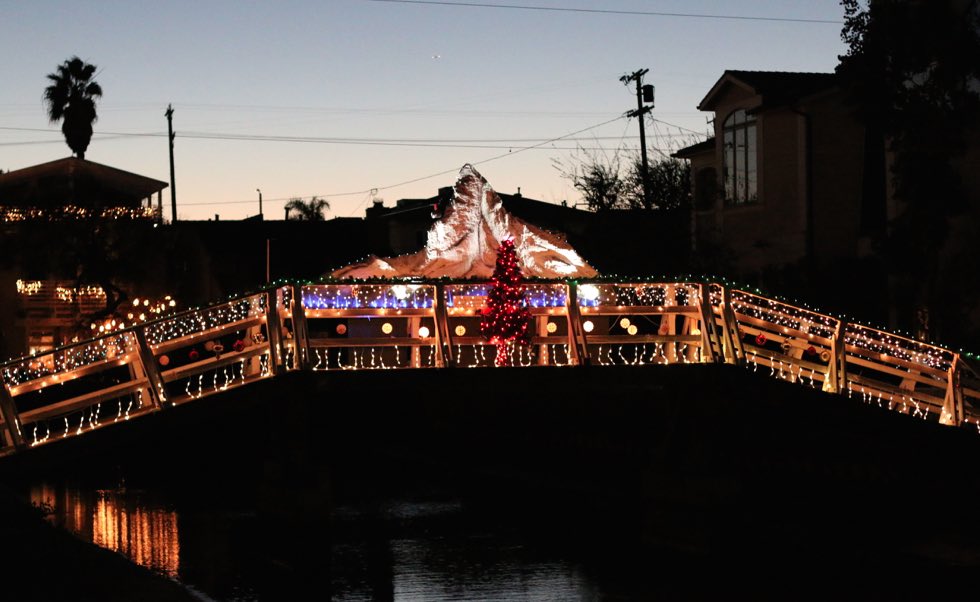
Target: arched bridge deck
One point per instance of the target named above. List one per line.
(435, 325)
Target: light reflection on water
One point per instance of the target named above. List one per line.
(415, 550)
(115, 520)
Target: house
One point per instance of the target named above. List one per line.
(73, 187)
(44, 208)
(788, 177)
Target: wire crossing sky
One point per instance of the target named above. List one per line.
(602, 11)
(356, 99)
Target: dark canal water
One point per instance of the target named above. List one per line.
(423, 543)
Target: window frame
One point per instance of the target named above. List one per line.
(740, 158)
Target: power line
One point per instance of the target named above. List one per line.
(371, 191)
(488, 143)
(604, 11)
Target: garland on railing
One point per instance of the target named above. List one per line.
(607, 279)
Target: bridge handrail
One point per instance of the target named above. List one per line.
(416, 324)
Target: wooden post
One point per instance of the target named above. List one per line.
(155, 384)
(839, 358)
(953, 407)
(732, 335)
(577, 342)
(709, 331)
(727, 346)
(301, 338)
(415, 358)
(274, 330)
(831, 382)
(444, 340)
(668, 326)
(542, 322)
(10, 418)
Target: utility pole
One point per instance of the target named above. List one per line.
(173, 184)
(643, 94)
(260, 202)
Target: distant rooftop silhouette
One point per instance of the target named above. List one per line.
(75, 181)
(775, 87)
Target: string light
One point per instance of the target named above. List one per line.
(9, 213)
(799, 345)
(506, 320)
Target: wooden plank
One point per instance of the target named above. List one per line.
(274, 331)
(642, 339)
(82, 401)
(932, 382)
(721, 320)
(709, 333)
(369, 312)
(444, 341)
(769, 355)
(56, 378)
(777, 325)
(756, 325)
(213, 333)
(386, 342)
(811, 312)
(875, 356)
(638, 310)
(301, 334)
(212, 363)
(148, 363)
(738, 353)
(578, 340)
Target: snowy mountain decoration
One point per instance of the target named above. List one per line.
(464, 242)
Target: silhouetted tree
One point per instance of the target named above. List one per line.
(71, 99)
(912, 68)
(606, 184)
(311, 211)
(670, 184)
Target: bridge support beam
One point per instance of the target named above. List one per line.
(273, 328)
(838, 361)
(301, 338)
(733, 341)
(577, 342)
(10, 418)
(953, 402)
(155, 387)
(444, 341)
(709, 328)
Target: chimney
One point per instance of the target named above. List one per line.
(518, 195)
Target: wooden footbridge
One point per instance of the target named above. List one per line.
(417, 324)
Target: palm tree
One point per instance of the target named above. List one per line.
(71, 99)
(310, 211)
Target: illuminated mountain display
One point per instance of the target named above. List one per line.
(463, 243)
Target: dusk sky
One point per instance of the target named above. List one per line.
(414, 89)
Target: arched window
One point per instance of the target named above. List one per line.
(740, 167)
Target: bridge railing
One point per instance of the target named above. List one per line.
(118, 376)
(415, 325)
(891, 371)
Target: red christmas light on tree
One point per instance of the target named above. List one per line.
(506, 319)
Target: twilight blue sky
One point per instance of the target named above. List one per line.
(481, 82)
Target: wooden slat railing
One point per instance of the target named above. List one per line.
(414, 325)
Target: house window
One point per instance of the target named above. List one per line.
(740, 162)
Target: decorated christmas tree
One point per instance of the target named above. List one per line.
(506, 319)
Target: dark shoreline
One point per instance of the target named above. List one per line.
(47, 563)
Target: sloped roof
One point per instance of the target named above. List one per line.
(775, 87)
(701, 147)
(77, 181)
